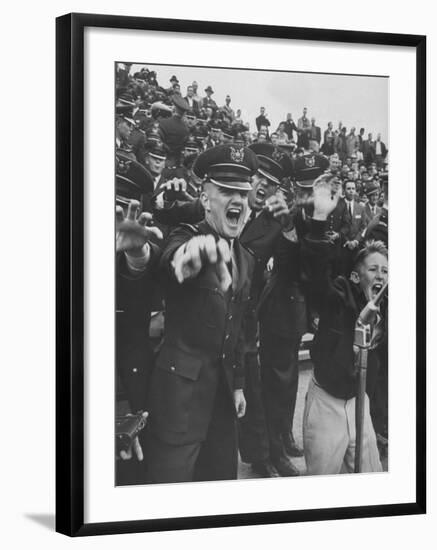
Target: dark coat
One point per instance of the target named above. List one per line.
(368, 214)
(357, 223)
(134, 354)
(202, 332)
(282, 307)
(260, 236)
(173, 132)
(209, 102)
(315, 133)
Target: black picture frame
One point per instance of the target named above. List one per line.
(70, 273)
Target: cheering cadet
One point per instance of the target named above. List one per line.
(197, 386)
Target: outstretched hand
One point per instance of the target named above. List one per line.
(199, 251)
(278, 207)
(132, 231)
(325, 198)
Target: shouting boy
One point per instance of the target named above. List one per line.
(329, 418)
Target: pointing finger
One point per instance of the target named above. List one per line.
(223, 250)
(119, 214)
(144, 217)
(210, 248)
(138, 450)
(155, 231)
(192, 253)
(132, 210)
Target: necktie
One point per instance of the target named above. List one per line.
(350, 208)
(234, 268)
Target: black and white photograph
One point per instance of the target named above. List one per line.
(251, 267)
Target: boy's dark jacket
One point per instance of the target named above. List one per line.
(339, 302)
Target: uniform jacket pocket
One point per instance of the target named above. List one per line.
(172, 389)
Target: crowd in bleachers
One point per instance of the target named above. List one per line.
(171, 145)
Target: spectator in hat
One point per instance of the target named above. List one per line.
(123, 129)
(208, 101)
(174, 131)
(156, 155)
(214, 136)
(262, 120)
(173, 82)
(371, 208)
(190, 120)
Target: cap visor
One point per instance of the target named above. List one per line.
(237, 185)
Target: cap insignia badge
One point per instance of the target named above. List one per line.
(237, 155)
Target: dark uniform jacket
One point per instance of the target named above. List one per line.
(339, 303)
(259, 236)
(202, 331)
(134, 354)
(173, 132)
(282, 304)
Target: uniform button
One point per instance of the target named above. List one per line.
(135, 370)
(234, 366)
(230, 317)
(173, 368)
(227, 337)
(292, 298)
(224, 355)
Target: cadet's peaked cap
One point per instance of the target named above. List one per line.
(191, 144)
(227, 166)
(308, 168)
(181, 103)
(273, 163)
(372, 188)
(157, 149)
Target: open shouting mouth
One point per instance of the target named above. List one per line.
(233, 216)
(260, 195)
(375, 289)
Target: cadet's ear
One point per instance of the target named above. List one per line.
(354, 277)
(204, 199)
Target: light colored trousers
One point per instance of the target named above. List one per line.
(329, 434)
